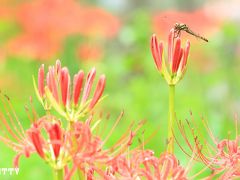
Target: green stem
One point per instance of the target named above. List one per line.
(58, 174)
(170, 146)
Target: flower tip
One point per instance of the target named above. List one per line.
(64, 70)
(171, 36)
(58, 65)
(153, 39)
(178, 40)
(58, 62)
(172, 31)
(93, 69)
(81, 72)
(154, 36)
(92, 73)
(102, 77)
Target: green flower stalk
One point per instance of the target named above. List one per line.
(58, 174)
(172, 70)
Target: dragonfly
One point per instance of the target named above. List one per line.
(178, 27)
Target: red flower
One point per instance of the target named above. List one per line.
(34, 45)
(58, 83)
(223, 158)
(143, 164)
(87, 148)
(177, 57)
(46, 24)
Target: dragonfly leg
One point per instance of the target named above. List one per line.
(177, 33)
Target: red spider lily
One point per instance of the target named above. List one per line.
(57, 91)
(88, 153)
(14, 135)
(165, 20)
(143, 164)
(223, 157)
(41, 21)
(174, 69)
(33, 140)
(88, 150)
(128, 165)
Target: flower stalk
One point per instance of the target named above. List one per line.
(58, 174)
(171, 118)
(172, 70)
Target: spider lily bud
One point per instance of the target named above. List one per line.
(65, 83)
(98, 92)
(77, 86)
(88, 85)
(174, 69)
(157, 52)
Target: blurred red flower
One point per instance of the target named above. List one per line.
(34, 45)
(45, 24)
(89, 52)
(6, 11)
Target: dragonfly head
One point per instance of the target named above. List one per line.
(176, 25)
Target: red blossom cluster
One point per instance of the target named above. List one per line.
(45, 25)
(67, 136)
(173, 69)
(76, 148)
(57, 91)
(142, 164)
(78, 145)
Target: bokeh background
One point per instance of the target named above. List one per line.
(114, 36)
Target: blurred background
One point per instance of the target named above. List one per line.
(114, 36)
